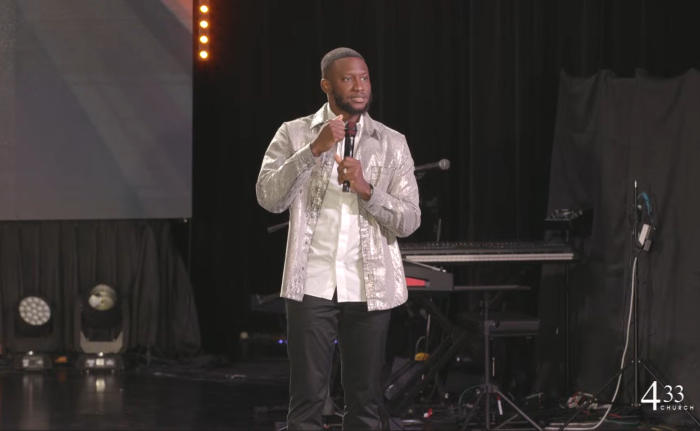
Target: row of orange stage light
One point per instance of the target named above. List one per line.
(203, 13)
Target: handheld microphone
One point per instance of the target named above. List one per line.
(443, 165)
(350, 132)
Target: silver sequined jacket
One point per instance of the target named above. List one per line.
(291, 178)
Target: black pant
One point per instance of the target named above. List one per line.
(313, 325)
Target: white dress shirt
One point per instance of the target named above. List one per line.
(335, 257)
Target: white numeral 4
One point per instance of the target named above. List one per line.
(654, 400)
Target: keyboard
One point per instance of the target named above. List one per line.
(487, 251)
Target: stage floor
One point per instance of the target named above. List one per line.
(251, 396)
(155, 400)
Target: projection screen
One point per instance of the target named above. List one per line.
(95, 109)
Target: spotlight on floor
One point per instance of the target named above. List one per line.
(34, 311)
(102, 329)
(31, 333)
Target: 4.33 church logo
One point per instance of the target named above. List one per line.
(665, 397)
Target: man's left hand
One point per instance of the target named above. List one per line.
(350, 169)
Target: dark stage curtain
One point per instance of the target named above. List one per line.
(139, 259)
(473, 81)
(611, 132)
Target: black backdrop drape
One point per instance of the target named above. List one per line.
(472, 81)
(610, 133)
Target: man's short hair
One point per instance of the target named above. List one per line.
(334, 55)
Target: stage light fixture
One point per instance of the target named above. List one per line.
(102, 326)
(34, 311)
(102, 298)
(31, 333)
(203, 34)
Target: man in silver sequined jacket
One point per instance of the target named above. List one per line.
(343, 271)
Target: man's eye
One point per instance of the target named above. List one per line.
(364, 78)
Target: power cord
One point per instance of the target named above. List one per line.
(622, 365)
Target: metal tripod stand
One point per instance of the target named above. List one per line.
(635, 363)
(641, 245)
(488, 389)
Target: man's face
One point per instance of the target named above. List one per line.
(348, 85)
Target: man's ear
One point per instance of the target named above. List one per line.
(325, 86)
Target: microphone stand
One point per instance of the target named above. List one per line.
(437, 227)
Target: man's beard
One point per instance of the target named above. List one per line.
(347, 107)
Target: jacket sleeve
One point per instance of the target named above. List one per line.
(397, 208)
(283, 173)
